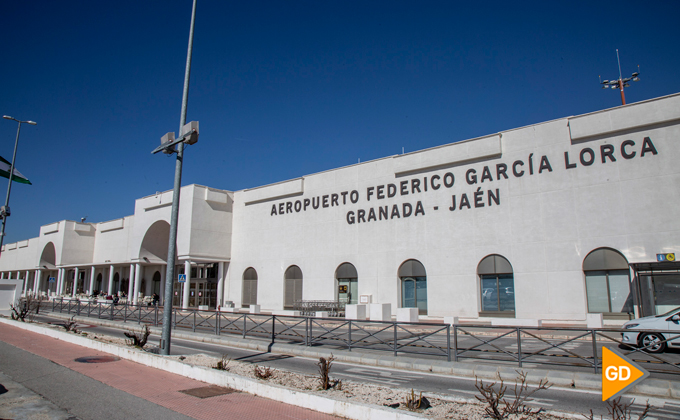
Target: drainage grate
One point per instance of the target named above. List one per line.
(208, 391)
(97, 359)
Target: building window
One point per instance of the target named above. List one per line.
(608, 283)
(347, 284)
(413, 283)
(292, 287)
(497, 287)
(249, 295)
(157, 283)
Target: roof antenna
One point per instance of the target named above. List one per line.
(82, 219)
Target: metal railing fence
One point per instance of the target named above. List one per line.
(506, 345)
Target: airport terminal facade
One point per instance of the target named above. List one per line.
(552, 221)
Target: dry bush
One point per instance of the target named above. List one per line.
(23, 308)
(223, 363)
(619, 411)
(420, 403)
(498, 407)
(71, 325)
(325, 374)
(263, 372)
(138, 340)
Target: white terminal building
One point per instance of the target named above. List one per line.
(548, 222)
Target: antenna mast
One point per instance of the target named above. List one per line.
(621, 82)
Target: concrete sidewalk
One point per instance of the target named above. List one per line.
(154, 385)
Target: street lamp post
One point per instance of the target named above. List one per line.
(188, 134)
(4, 210)
(620, 83)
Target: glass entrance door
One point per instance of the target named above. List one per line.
(348, 291)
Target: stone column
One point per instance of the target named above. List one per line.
(26, 277)
(187, 285)
(62, 280)
(138, 282)
(220, 284)
(131, 282)
(36, 282)
(75, 281)
(91, 289)
(110, 291)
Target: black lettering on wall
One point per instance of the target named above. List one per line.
(624, 153)
(568, 165)
(545, 165)
(647, 146)
(607, 151)
(582, 157)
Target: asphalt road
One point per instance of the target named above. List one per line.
(563, 400)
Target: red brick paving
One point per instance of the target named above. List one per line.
(154, 385)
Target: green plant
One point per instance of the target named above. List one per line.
(223, 363)
(138, 340)
(498, 407)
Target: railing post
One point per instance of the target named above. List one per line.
(519, 347)
(349, 344)
(174, 323)
(455, 343)
(307, 328)
(273, 328)
(155, 312)
(193, 327)
(78, 308)
(125, 312)
(245, 319)
(594, 338)
(112, 308)
(395, 338)
(217, 322)
(448, 342)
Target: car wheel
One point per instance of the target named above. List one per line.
(653, 342)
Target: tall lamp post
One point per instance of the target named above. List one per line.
(620, 83)
(4, 210)
(188, 134)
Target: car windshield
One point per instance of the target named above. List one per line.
(669, 312)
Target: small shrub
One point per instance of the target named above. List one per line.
(325, 381)
(223, 363)
(27, 307)
(499, 408)
(138, 340)
(263, 372)
(412, 403)
(71, 325)
(619, 411)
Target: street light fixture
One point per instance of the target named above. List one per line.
(620, 82)
(4, 210)
(189, 135)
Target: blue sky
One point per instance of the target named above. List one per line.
(285, 89)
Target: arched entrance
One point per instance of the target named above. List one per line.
(347, 282)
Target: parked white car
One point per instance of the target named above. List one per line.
(652, 331)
